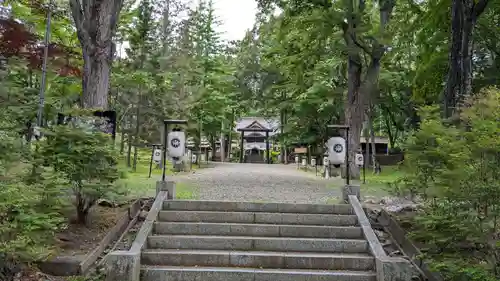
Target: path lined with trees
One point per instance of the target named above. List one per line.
(425, 74)
(261, 183)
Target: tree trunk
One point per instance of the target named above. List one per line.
(82, 208)
(137, 131)
(222, 143)
(284, 159)
(464, 15)
(122, 141)
(373, 144)
(354, 111)
(366, 133)
(82, 215)
(230, 137)
(200, 136)
(129, 142)
(214, 146)
(96, 23)
(166, 28)
(359, 94)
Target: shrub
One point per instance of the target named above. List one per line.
(29, 213)
(87, 162)
(456, 169)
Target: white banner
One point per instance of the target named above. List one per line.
(157, 154)
(176, 142)
(336, 150)
(360, 160)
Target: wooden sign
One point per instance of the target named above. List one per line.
(300, 150)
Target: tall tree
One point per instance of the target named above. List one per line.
(464, 16)
(96, 22)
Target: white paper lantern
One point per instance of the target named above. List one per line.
(304, 162)
(336, 150)
(176, 144)
(360, 160)
(296, 159)
(313, 162)
(157, 155)
(326, 162)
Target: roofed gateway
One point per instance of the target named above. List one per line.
(255, 133)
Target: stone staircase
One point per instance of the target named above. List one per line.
(242, 241)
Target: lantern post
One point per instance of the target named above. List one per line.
(346, 128)
(175, 144)
(154, 147)
(348, 189)
(165, 141)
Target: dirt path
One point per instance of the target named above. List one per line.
(260, 183)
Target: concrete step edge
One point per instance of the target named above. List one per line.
(347, 240)
(259, 270)
(256, 229)
(257, 206)
(257, 224)
(261, 218)
(250, 212)
(259, 259)
(256, 253)
(249, 243)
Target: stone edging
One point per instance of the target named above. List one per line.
(68, 266)
(126, 265)
(397, 233)
(387, 268)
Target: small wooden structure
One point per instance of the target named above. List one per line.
(254, 129)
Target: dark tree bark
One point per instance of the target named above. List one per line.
(83, 206)
(122, 140)
(96, 22)
(360, 91)
(464, 15)
(284, 159)
(137, 132)
(129, 141)
(230, 137)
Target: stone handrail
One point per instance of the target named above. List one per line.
(387, 268)
(126, 265)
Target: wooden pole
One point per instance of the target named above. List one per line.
(241, 146)
(267, 148)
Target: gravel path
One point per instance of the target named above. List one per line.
(259, 183)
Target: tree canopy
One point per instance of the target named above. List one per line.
(424, 74)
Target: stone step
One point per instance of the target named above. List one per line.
(258, 230)
(247, 243)
(262, 218)
(173, 273)
(225, 206)
(290, 260)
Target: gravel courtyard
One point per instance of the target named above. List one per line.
(259, 183)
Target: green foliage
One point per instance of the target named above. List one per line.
(455, 169)
(454, 270)
(29, 217)
(86, 160)
(29, 212)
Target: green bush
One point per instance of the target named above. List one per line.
(456, 170)
(30, 213)
(86, 160)
(29, 218)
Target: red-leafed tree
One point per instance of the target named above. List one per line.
(17, 41)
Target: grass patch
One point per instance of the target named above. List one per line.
(378, 185)
(389, 174)
(138, 184)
